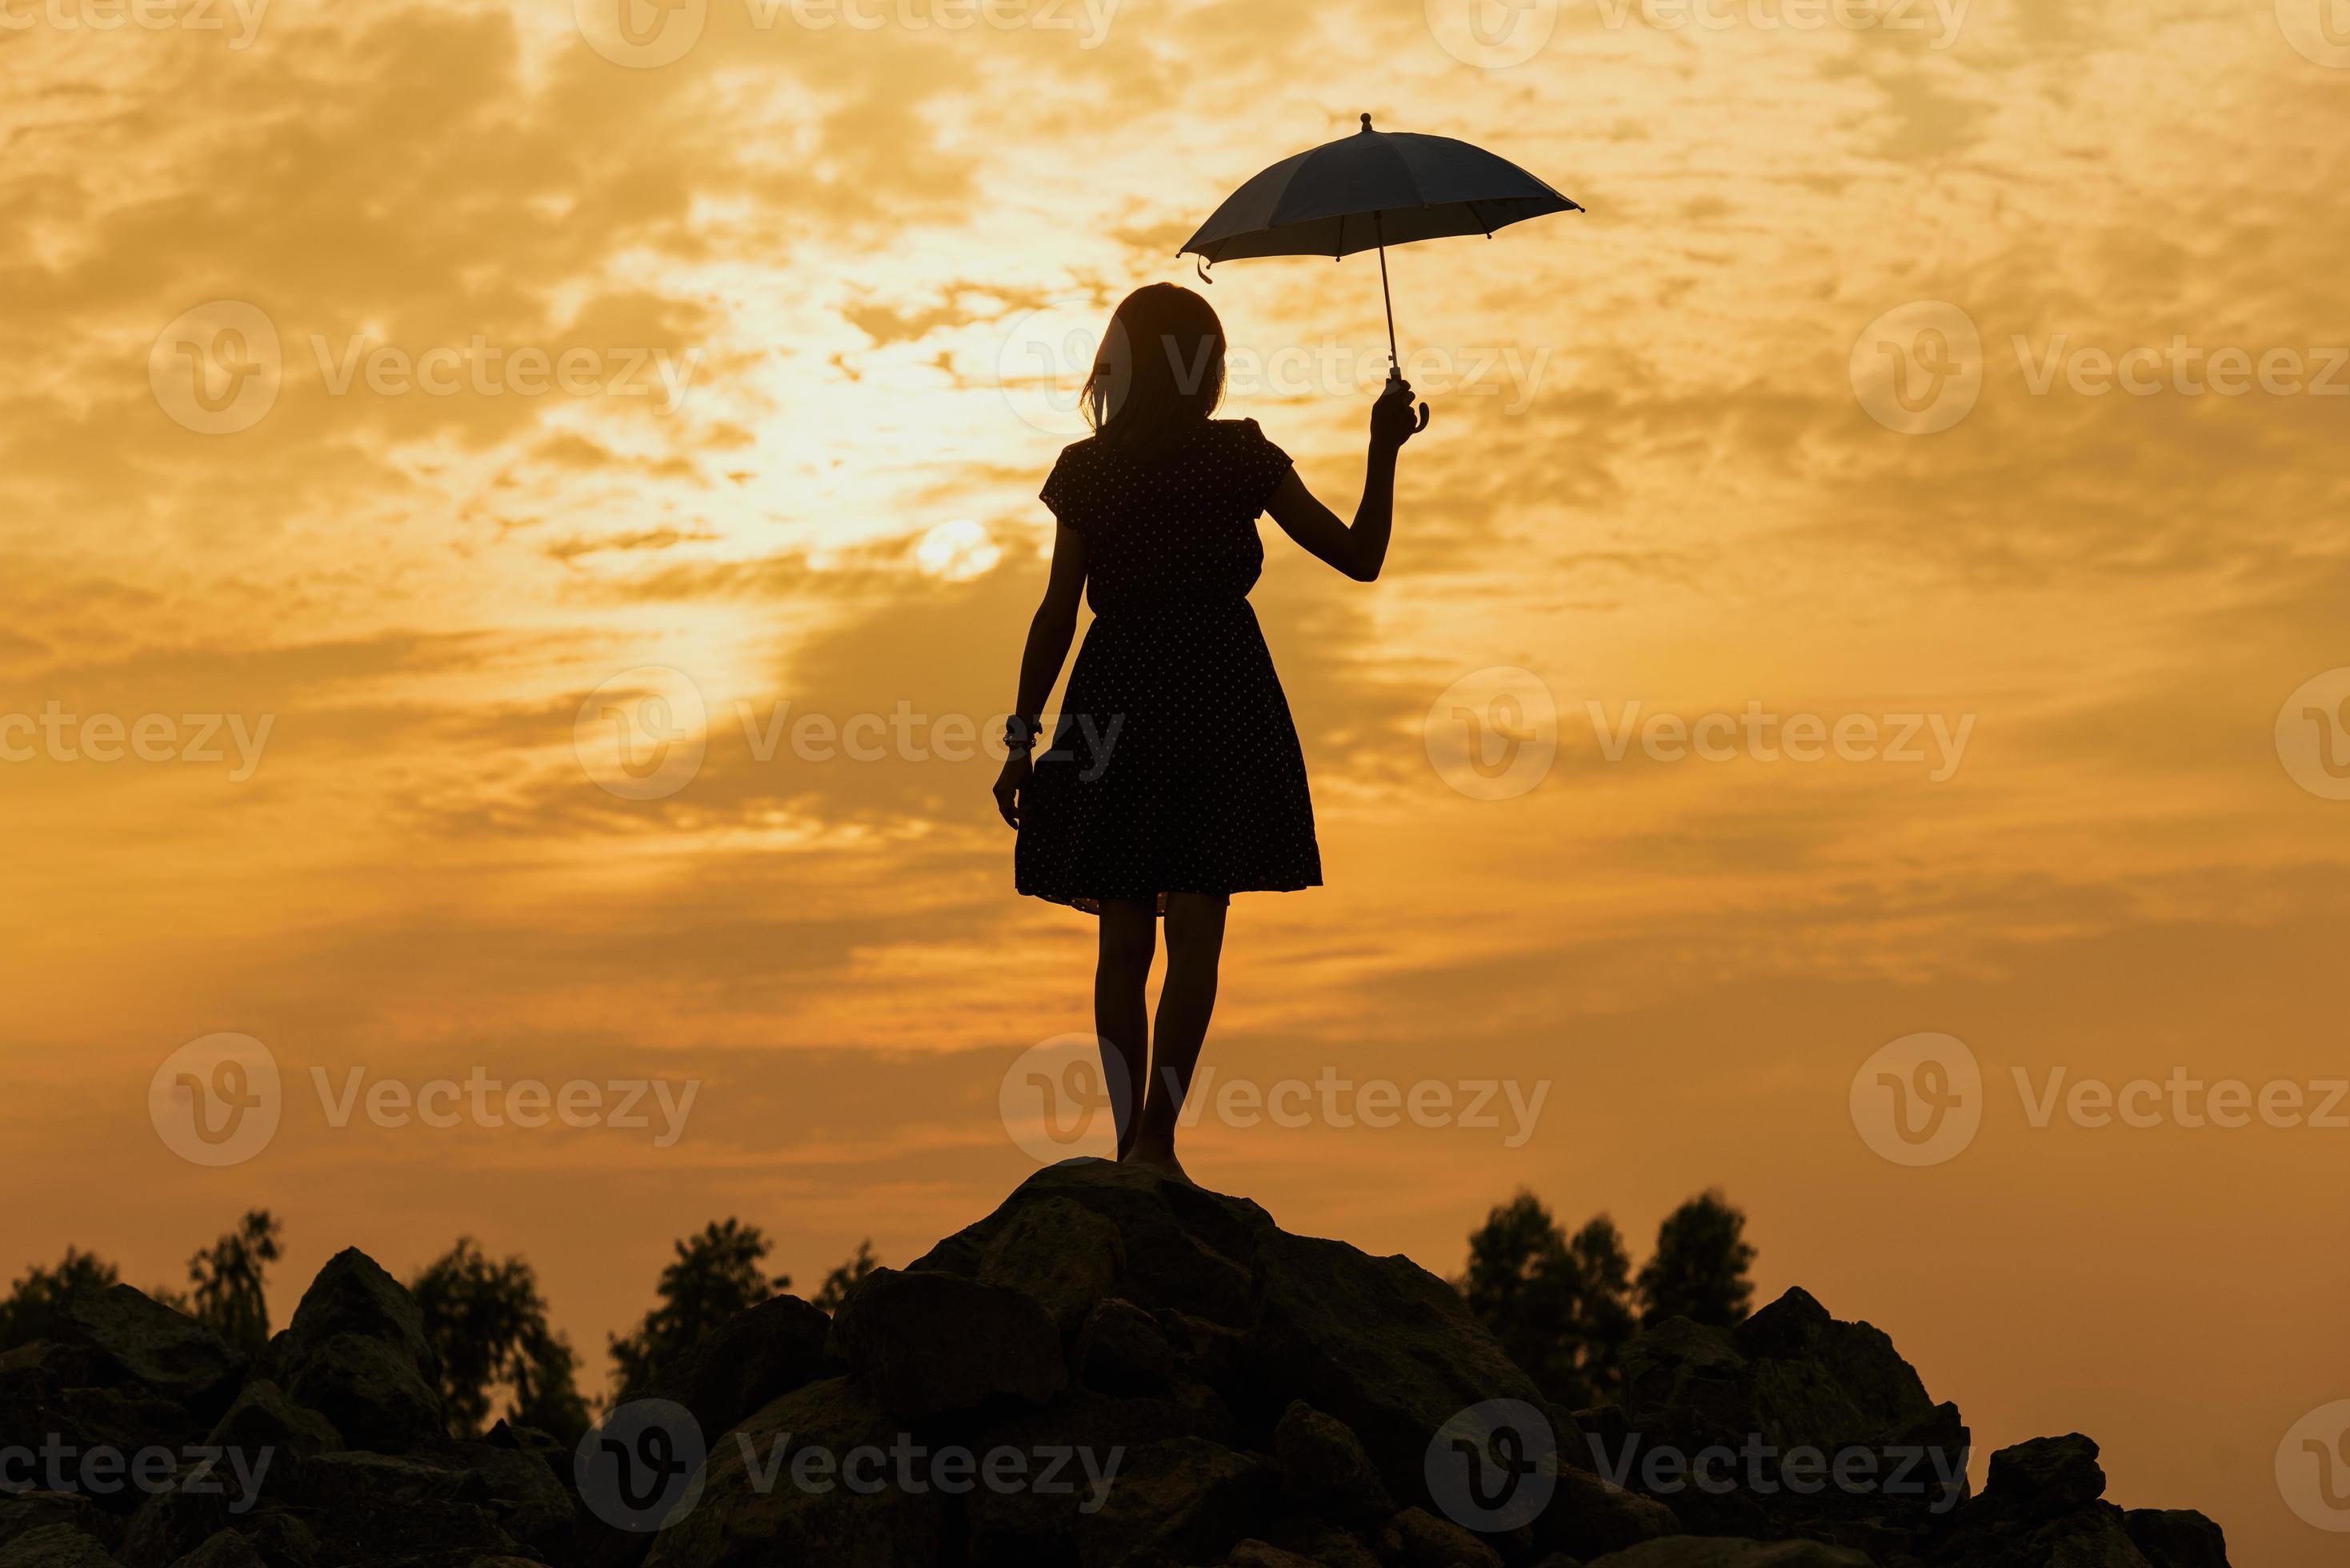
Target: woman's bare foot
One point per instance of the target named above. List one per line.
(1160, 1159)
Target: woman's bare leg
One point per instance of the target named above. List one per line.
(1130, 935)
(1195, 940)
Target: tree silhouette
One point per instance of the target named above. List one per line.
(1560, 1307)
(489, 1325)
(834, 1289)
(226, 1283)
(1698, 1271)
(715, 1275)
(35, 1301)
(1564, 1306)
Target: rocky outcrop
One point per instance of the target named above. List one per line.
(1111, 1371)
(357, 1352)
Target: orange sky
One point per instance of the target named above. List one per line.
(820, 288)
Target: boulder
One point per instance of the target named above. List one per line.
(929, 1344)
(1715, 1551)
(86, 1422)
(262, 1419)
(357, 1352)
(1379, 1342)
(2041, 1507)
(1184, 1499)
(24, 1512)
(1326, 1545)
(1790, 1378)
(754, 1359)
(1418, 1539)
(1182, 1247)
(55, 1546)
(1590, 1516)
(1324, 1467)
(1121, 1349)
(1061, 1253)
(1264, 1555)
(760, 1505)
(2176, 1537)
(2046, 1477)
(137, 1340)
(226, 1549)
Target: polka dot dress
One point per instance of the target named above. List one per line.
(1174, 767)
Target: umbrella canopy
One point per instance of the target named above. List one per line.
(1374, 188)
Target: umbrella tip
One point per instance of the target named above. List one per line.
(1367, 124)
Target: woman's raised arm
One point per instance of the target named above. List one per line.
(1359, 551)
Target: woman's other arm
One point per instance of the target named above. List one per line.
(1050, 632)
(1359, 551)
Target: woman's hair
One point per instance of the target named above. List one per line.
(1160, 371)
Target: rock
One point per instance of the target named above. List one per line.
(2041, 1507)
(24, 1512)
(1714, 1552)
(167, 1352)
(226, 1549)
(518, 1490)
(750, 1362)
(1324, 1467)
(1062, 1253)
(1590, 1516)
(1379, 1342)
(2046, 1477)
(1229, 1394)
(55, 1546)
(1263, 1554)
(1183, 1248)
(121, 1423)
(356, 1352)
(1790, 1378)
(929, 1344)
(264, 1420)
(779, 1512)
(369, 1507)
(1122, 1350)
(2176, 1537)
(1184, 1499)
(1091, 1439)
(370, 1392)
(1322, 1544)
(1418, 1539)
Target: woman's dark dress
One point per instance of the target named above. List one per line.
(1174, 767)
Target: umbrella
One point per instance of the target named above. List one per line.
(1369, 191)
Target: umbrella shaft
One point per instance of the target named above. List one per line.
(1395, 367)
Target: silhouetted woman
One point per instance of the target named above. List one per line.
(1173, 779)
